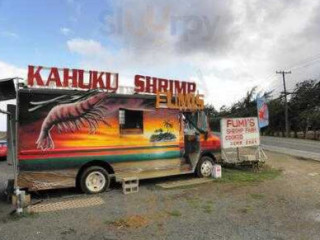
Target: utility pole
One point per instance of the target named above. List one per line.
(285, 100)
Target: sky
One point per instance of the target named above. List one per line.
(226, 47)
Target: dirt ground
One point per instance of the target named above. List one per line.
(285, 207)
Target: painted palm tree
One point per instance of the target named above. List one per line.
(167, 124)
(159, 130)
(163, 136)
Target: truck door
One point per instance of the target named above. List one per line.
(8, 92)
(191, 139)
(195, 125)
(11, 133)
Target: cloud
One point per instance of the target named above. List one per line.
(182, 27)
(8, 70)
(65, 31)
(217, 86)
(234, 45)
(98, 56)
(85, 47)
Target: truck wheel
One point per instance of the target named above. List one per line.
(94, 179)
(204, 167)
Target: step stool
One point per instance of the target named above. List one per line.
(130, 185)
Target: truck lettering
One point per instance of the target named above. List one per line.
(34, 76)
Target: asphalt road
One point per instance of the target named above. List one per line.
(295, 147)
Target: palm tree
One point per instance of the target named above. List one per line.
(167, 124)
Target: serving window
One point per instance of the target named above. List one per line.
(130, 121)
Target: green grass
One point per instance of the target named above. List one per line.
(245, 209)
(68, 231)
(108, 222)
(16, 217)
(247, 176)
(194, 202)
(174, 213)
(207, 208)
(197, 203)
(257, 196)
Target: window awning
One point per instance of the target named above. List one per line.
(7, 89)
(144, 109)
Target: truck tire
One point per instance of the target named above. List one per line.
(94, 179)
(204, 167)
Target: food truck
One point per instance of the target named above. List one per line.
(75, 128)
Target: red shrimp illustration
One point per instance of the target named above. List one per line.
(71, 117)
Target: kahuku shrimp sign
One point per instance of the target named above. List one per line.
(54, 77)
(172, 94)
(239, 132)
(188, 101)
(39, 76)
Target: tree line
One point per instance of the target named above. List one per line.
(303, 105)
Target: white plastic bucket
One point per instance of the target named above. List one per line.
(216, 171)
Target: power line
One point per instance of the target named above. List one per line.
(296, 66)
(272, 83)
(307, 64)
(304, 61)
(299, 66)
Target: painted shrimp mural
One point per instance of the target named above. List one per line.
(84, 111)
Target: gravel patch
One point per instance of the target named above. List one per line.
(285, 207)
